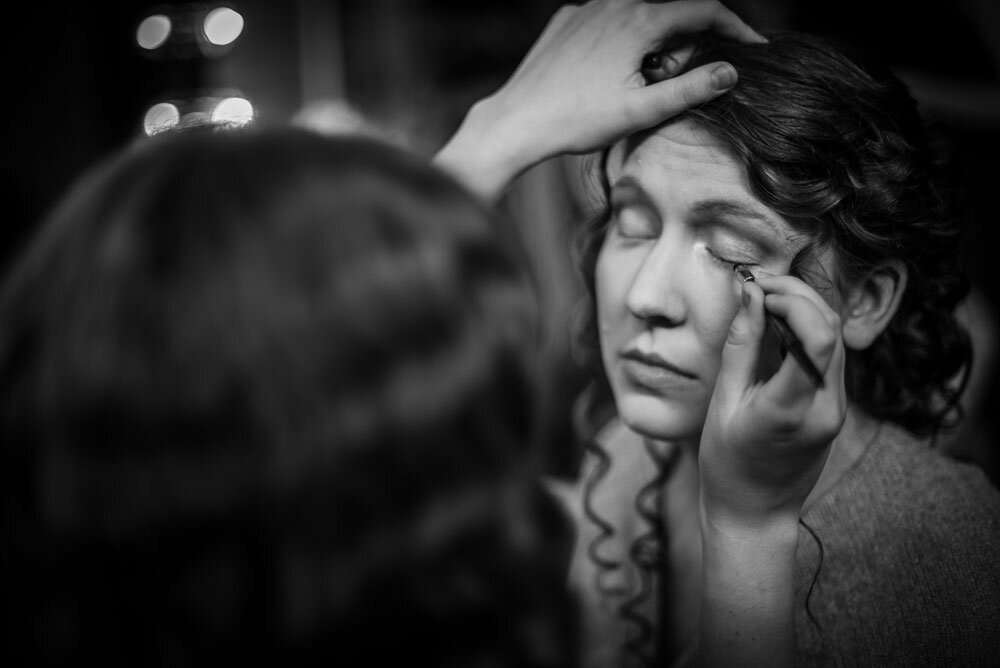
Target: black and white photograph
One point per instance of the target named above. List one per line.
(500, 334)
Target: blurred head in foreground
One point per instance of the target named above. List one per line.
(268, 396)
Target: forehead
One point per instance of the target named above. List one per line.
(677, 143)
(681, 166)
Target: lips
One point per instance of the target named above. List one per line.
(652, 359)
(651, 370)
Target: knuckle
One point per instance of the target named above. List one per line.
(710, 6)
(562, 14)
(720, 11)
(787, 422)
(691, 92)
(738, 336)
(632, 112)
(826, 342)
(832, 421)
(643, 13)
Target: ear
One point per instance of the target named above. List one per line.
(871, 304)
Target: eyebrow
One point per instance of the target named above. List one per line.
(627, 190)
(726, 208)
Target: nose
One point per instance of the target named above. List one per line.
(658, 292)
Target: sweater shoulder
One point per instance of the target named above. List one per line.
(900, 566)
(903, 480)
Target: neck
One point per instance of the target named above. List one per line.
(847, 448)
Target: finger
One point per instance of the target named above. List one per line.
(817, 343)
(816, 330)
(795, 286)
(826, 406)
(834, 375)
(741, 352)
(662, 65)
(830, 406)
(653, 104)
(687, 16)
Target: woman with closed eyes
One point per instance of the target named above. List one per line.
(813, 192)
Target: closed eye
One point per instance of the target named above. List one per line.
(632, 222)
(730, 262)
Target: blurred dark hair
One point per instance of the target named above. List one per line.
(268, 396)
(833, 142)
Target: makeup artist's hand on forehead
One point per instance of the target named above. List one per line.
(581, 88)
(765, 440)
(581, 83)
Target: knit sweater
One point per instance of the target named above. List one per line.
(910, 572)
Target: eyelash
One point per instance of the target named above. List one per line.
(730, 263)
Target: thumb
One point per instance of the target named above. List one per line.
(740, 354)
(655, 103)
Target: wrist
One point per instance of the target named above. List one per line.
(776, 527)
(757, 559)
(748, 596)
(485, 153)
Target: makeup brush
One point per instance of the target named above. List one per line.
(786, 335)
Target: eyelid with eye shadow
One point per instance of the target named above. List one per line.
(728, 263)
(633, 220)
(735, 251)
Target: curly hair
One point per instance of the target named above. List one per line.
(833, 142)
(269, 396)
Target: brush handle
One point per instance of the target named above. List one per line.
(794, 346)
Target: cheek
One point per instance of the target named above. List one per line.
(612, 277)
(717, 308)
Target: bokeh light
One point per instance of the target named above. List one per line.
(223, 25)
(153, 31)
(233, 111)
(161, 116)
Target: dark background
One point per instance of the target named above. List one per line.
(78, 86)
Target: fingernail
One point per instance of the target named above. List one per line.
(670, 65)
(723, 77)
(657, 67)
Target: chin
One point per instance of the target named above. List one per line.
(660, 419)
